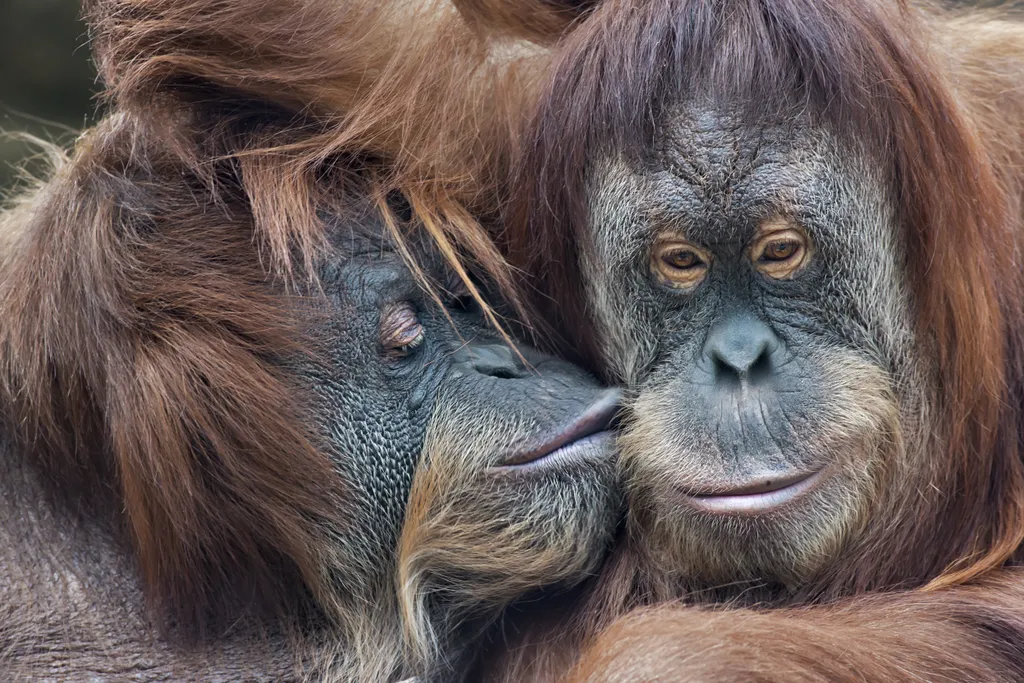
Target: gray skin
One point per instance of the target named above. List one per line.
(746, 383)
(73, 607)
(453, 411)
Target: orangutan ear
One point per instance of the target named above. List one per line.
(541, 21)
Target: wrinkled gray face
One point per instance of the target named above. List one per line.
(509, 439)
(375, 401)
(748, 284)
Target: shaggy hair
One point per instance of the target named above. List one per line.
(935, 99)
(869, 71)
(144, 285)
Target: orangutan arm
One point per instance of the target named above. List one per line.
(973, 633)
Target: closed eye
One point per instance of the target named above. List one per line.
(401, 332)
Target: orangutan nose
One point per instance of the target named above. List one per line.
(740, 347)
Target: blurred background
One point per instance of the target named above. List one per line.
(47, 81)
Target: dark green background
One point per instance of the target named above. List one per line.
(47, 81)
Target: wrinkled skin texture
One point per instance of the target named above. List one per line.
(743, 378)
(415, 409)
(431, 429)
(793, 229)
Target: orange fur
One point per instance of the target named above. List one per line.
(937, 98)
(145, 285)
(967, 635)
(412, 85)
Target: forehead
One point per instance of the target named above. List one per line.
(365, 259)
(712, 175)
(372, 278)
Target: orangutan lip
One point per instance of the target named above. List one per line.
(593, 448)
(594, 421)
(756, 497)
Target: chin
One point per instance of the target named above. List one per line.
(729, 514)
(732, 543)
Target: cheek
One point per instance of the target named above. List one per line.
(626, 311)
(375, 438)
(833, 407)
(627, 326)
(675, 442)
(482, 540)
(376, 448)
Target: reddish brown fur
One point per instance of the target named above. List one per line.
(937, 99)
(435, 89)
(141, 344)
(412, 84)
(542, 20)
(143, 286)
(956, 212)
(971, 634)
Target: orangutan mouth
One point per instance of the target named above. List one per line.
(757, 496)
(582, 437)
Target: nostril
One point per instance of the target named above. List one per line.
(491, 360)
(741, 348)
(762, 367)
(725, 373)
(496, 361)
(745, 358)
(501, 373)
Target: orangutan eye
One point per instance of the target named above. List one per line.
(400, 330)
(681, 259)
(679, 264)
(780, 252)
